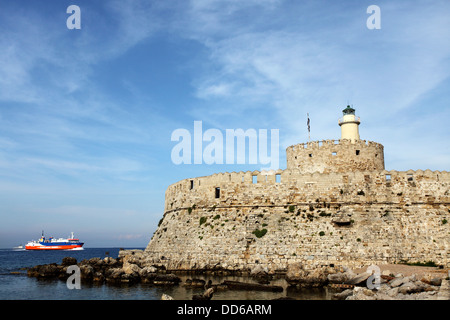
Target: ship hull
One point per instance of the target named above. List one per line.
(54, 247)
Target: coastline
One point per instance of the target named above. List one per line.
(397, 282)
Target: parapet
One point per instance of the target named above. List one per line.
(336, 156)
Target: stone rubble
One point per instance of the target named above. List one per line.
(131, 267)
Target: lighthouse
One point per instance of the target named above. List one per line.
(349, 124)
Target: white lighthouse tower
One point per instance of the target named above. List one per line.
(349, 124)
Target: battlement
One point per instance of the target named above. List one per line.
(336, 156)
(282, 187)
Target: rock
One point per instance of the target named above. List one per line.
(129, 278)
(147, 274)
(166, 279)
(98, 277)
(386, 273)
(258, 270)
(444, 291)
(92, 261)
(341, 277)
(392, 292)
(45, 271)
(69, 261)
(113, 274)
(343, 295)
(360, 293)
(297, 276)
(396, 282)
(86, 272)
(408, 287)
(261, 274)
(207, 295)
(166, 297)
(295, 273)
(436, 281)
(109, 260)
(130, 268)
(195, 283)
(358, 279)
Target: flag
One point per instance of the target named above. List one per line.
(308, 123)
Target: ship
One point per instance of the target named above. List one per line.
(51, 243)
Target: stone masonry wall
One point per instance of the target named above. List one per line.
(354, 218)
(335, 156)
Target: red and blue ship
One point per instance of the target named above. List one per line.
(51, 243)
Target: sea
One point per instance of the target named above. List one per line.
(16, 285)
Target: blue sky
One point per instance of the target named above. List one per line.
(86, 116)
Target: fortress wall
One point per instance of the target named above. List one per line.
(237, 188)
(355, 219)
(336, 156)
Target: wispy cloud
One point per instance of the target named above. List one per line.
(320, 61)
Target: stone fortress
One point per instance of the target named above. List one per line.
(334, 205)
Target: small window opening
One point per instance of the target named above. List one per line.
(357, 152)
(254, 179)
(310, 155)
(410, 177)
(388, 178)
(242, 178)
(192, 184)
(217, 193)
(334, 153)
(278, 178)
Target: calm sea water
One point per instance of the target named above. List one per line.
(16, 285)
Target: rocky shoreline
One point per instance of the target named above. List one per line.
(131, 267)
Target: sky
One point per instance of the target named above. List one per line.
(87, 115)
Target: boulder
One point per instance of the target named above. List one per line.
(110, 261)
(396, 282)
(408, 287)
(131, 268)
(113, 274)
(86, 272)
(207, 295)
(360, 293)
(297, 276)
(68, 261)
(343, 295)
(436, 281)
(166, 279)
(147, 274)
(45, 271)
(195, 283)
(359, 279)
(98, 277)
(166, 297)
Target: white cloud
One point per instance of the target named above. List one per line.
(318, 66)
